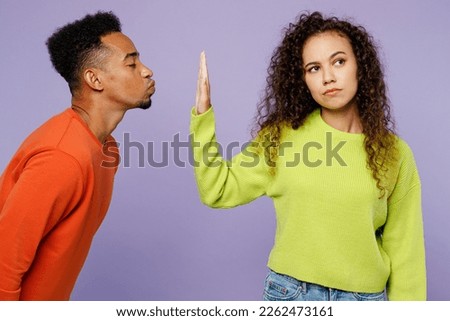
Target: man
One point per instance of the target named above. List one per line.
(56, 190)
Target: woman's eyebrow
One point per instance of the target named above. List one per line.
(331, 57)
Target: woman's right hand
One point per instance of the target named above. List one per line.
(203, 98)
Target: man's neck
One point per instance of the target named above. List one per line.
(99, 120)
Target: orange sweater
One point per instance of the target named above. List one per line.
(54, 195)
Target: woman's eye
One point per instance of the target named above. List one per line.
(339, 62)
(313, 69)
(132, 65)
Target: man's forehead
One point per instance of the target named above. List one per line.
(119, 42)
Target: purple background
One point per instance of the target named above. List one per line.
(158, 241)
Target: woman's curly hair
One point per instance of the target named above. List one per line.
(287, 101)
(78, 45)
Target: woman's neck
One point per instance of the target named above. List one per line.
(343, 119)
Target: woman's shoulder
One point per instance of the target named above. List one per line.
(404, 174)
(405, 161)
(403, 148)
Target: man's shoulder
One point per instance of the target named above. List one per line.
(50, 132)
(62, 132)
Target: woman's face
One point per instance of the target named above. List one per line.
(330, 70)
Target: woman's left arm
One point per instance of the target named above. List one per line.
(403, 237)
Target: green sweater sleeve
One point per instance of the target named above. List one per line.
(403, 238)
(222, 183)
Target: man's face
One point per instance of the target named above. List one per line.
(127, 81)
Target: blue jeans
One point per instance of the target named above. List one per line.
(280, 287)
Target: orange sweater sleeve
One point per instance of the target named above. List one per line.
(45, 190)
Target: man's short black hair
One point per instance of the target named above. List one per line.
(78, 45)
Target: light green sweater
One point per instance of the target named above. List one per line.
(332, 227)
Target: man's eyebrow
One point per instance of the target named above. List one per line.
(131, 55)
(331, 57)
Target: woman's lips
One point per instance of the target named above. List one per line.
(331, 91)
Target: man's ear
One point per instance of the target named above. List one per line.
(92, 78)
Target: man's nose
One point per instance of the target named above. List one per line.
(146, 72)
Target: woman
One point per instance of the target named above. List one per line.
(346, 189)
